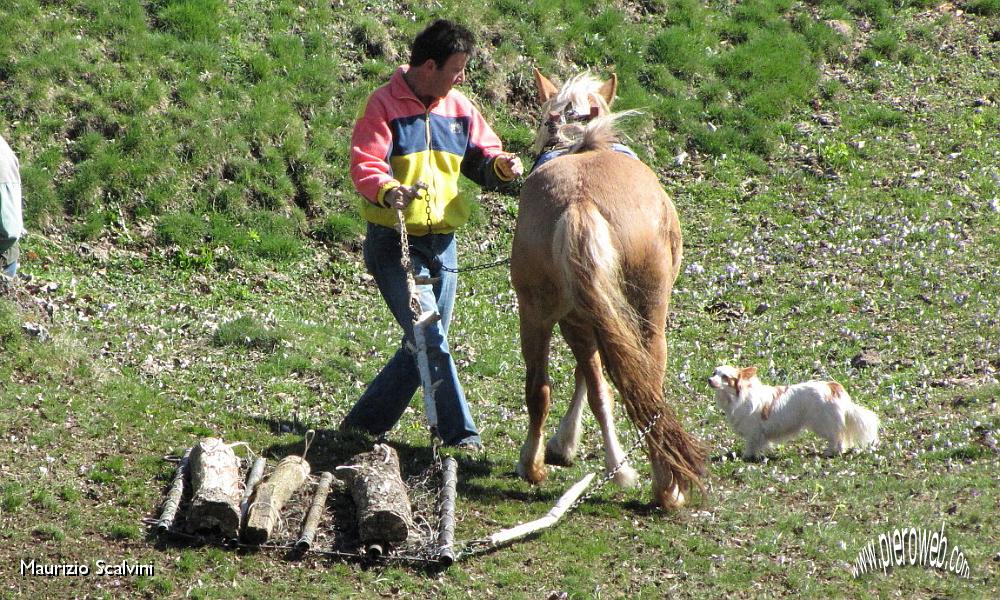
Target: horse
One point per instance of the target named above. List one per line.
(597, 247)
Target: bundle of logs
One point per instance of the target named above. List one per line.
(221, 502)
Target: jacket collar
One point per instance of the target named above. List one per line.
(401, 89)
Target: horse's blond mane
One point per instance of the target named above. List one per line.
(578, 94)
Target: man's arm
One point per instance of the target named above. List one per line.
(485, 161)
(370, 146)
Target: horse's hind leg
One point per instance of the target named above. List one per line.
(537, 397)
(601, 401)
(562, 447)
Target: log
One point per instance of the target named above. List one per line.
(253, 478)
(555, 513)
(169, 512)
(446, 527)
(380, 496)
(216, 490)
(315, 512)
(271, 496)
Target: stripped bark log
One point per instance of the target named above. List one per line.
(565, 501)
(169, 512)
(380, 496)
(216, 491)
(271, 495)
(315, 512)
(446, 535)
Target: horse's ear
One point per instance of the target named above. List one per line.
(546, 89)
(609, 88)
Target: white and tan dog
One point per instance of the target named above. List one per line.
(764, 414)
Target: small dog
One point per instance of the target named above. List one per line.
(763, 414)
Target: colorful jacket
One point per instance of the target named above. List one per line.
(399, 141)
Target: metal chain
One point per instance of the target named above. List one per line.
(230, 543)
(476, 267)
(611, 474)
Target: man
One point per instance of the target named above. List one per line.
(416, 136)
(11, 221)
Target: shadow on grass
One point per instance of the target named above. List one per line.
(332, 448)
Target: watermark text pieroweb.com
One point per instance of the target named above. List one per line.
(911, 547)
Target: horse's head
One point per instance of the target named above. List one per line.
(568, 111)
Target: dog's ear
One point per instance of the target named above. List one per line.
(748, 372)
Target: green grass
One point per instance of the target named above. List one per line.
(844, 199)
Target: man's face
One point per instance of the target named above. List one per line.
(439, 79)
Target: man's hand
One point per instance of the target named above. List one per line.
(509, 166)
(400, 197)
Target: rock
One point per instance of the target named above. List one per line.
(843, 28)
(866, 358)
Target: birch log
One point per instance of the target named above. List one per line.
(174, 496)
(315, 512)
(446, 527)
(216, 491)
(265, 510)
(380, 496)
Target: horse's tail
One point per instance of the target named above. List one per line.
(590, 270)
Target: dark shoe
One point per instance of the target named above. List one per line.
(471, 447)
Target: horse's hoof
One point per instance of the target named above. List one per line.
(672, 500)
(626, 477)
(557, 457)
(532, 475)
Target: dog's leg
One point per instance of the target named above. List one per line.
(834, 447)
(755, 448)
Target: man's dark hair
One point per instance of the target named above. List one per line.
(439, 41)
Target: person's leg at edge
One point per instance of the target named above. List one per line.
(387, 396)
(455, 423)
(9, 257)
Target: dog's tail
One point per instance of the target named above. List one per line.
(861, 427)
(591, 271)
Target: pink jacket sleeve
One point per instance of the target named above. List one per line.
(370, 146)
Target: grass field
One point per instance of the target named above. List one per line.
(195, 263)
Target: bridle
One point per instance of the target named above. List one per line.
(557, 120)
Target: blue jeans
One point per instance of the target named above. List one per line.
(388, 395)
(10, 270)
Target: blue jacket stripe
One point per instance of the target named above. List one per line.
(448, 134)
(408, 135)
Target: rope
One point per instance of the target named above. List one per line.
(310, 436)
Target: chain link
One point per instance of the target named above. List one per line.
(611, 474)
(476, 267)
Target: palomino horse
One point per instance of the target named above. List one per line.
(596, 249)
